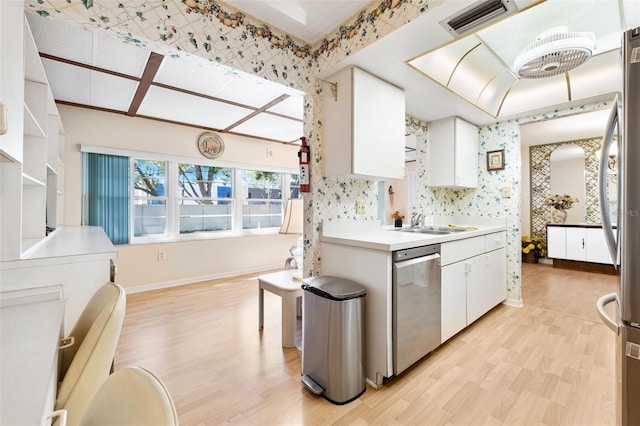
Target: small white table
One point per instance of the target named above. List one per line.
(282, 284)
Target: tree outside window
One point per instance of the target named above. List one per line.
(205, 198)
(262, 199)
(149, 198)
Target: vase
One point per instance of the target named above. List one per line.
(559, 215)
(530, 257)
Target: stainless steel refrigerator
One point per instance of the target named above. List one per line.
(624, 240)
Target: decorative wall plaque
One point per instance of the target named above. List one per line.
(210, 145)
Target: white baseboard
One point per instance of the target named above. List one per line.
(516, 303)
(192, 280)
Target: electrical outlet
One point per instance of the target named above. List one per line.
(505, 192)
(359, 206)
(162, 255)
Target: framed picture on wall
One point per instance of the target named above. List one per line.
(495, 160)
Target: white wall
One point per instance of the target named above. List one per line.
(188, 261)
(567, 177)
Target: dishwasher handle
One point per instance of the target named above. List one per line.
(410, 262)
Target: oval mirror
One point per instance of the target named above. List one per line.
(567, 171)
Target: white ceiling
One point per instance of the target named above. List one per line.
(92, 70)
(222, 99)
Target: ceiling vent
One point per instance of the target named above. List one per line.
(554, 52)
(478, 15)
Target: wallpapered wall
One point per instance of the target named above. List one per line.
(229, 38)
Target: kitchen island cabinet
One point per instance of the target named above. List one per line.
(366, 256)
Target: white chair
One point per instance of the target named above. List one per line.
(86, 360)
(131, 396)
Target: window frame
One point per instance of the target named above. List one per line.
(172, 228)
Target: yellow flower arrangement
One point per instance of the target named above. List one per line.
(533, 244)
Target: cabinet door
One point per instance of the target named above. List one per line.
(496, 276)
(378, 127)
(453, 300)
(576, 243)
(597, 249)
(466, 154)
(556, 242)
(479, 296)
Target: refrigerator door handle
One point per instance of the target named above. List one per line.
(601, 303)
(612, 123)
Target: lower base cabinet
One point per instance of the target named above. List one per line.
(473, 285)
(582, 243)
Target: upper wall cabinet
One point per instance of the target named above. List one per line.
(363, 127)
(453, 154)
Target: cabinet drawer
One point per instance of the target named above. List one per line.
(495, 241)
(455, 251)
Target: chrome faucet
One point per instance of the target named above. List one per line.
(416, 219)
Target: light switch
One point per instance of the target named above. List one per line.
(505, 192)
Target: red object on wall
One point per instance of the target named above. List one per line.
(304, 155)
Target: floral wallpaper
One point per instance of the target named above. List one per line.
(226, 36)
(484, 201)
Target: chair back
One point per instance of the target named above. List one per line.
(86, 364)
(131, 396)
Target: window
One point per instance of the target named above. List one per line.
(149, 198)
(261, 199)
(205, 198)
(163, 200)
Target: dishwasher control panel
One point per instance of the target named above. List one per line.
(414, 252)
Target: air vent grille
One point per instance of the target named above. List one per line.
(478, 15)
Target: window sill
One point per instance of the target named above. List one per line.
(199, 236)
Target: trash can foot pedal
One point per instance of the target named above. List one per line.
(312, 385)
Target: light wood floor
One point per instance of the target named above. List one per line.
(550, 362)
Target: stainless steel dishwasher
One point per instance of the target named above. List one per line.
(416, 304)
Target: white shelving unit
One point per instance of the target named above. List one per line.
(33, 148)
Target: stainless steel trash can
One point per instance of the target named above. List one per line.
(333, 338)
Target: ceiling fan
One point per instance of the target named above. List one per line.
(554, 52)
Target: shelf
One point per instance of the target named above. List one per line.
(51, 170)
(33, 69)
(31, 181)
(31, 126)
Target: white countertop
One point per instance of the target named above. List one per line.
(388, 238)
(65, 245)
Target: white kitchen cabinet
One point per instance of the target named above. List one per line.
(575, 238)
(486, 283)
(578, 243)
(556, 242)
(453, 154)
(597, 249)
(33, 147)
(474, 280)
(453, 306)
(363, 127)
